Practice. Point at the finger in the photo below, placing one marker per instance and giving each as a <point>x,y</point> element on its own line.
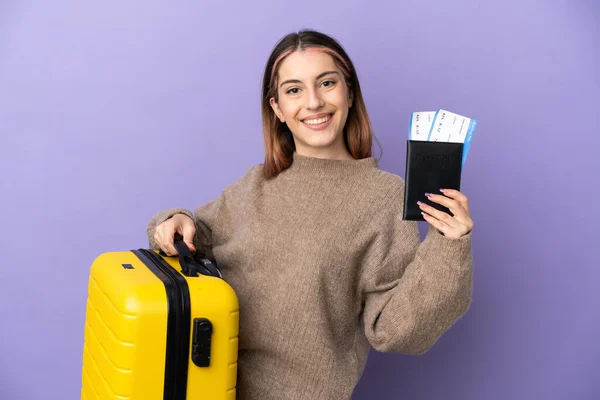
<point>445,229</point>
<point>439,215</point>
<point>157,240</point>
<point>167,235</point>
<point>441,226</point>
<point>462,213</point>
<point>188,232</point>
<point>459,223</point>
<point>458,196</point>
<point>454,206</point>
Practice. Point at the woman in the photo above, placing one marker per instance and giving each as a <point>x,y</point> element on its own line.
<point>313,240</point>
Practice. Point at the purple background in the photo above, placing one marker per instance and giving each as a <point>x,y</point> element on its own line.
<point>113,111</point>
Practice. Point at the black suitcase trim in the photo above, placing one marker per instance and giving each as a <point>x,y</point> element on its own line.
<point>178,324</point>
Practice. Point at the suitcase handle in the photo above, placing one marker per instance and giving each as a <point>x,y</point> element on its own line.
<point>191,267</point>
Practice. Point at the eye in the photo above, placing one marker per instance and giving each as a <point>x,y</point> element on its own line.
<point>328,83</point>
<point>292,91</point>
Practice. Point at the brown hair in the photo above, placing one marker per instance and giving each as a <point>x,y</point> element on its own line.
<point>279,142</point>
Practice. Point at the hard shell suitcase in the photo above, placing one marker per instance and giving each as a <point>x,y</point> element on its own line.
<point>159,327</point>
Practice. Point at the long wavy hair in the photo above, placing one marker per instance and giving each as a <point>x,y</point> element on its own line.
<point>279,142</point>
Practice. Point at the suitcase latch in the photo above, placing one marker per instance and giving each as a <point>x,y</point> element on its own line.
<point>201,338</point>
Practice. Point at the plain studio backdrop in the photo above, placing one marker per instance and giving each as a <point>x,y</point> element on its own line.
<point>112,111</point>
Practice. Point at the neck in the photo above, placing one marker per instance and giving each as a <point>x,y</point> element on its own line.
<point>310,166</point>
<point>339,153</point>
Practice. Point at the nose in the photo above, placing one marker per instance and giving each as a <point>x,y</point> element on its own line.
<point>313,100</point>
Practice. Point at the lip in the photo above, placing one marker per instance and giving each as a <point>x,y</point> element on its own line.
<point>317,116</point>
<point>318,127</point>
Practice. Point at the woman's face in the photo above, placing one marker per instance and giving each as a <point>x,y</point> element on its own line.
<point>313,101</point>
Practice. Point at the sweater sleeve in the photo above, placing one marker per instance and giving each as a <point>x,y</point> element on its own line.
<point>204,218</point>
<point>414,292</point>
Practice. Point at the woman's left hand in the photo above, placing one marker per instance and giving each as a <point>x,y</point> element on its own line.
<point>451,226</point>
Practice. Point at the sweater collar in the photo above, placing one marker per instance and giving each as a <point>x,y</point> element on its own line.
<point>332,168</point>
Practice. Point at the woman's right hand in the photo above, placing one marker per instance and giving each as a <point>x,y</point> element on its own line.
<point>165,233</point>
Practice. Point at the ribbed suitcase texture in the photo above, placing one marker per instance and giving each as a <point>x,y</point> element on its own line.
<point>127,353</point>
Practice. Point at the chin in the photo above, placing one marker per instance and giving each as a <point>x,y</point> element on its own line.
<point>320,138</point>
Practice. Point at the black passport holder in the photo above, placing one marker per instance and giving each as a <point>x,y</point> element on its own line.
<point>429,167</point>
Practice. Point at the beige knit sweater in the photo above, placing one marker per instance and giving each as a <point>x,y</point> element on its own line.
<point>324,267</point>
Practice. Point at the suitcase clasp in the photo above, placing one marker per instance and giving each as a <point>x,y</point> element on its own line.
<point>201,340</point>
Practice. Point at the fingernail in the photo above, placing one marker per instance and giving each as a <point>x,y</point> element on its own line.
<point>441,190</point>
<point>419,203</point>
<point>427,194</point>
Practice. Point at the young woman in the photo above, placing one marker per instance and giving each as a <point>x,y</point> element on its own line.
<point>313,240</point>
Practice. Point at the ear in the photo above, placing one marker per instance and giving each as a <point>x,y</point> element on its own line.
<point>350,99</point>
<point>276,109</point>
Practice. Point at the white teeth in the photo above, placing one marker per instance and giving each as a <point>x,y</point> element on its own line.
<point>317,121</point>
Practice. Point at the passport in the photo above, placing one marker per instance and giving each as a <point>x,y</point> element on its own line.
<point>429,167</point>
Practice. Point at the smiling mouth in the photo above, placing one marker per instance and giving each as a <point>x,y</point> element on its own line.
<point>317,121</point>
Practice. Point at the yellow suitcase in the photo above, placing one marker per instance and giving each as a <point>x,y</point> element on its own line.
<point>159,327</point>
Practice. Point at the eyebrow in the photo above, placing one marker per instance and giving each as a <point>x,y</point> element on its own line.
<point>318,77</point>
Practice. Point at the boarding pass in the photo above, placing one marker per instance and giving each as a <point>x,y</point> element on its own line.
<point>442,126</point>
